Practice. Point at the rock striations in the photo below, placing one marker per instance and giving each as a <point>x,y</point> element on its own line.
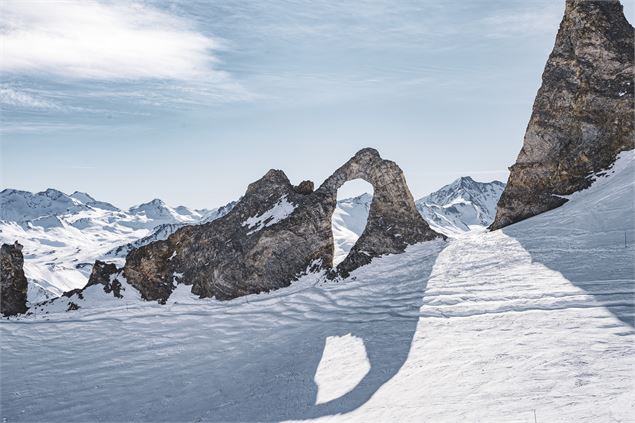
<point>278,231</point>
<point>13,283</point>
<point>582,116</point>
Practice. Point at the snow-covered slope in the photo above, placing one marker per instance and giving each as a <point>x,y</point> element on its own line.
<point>460,205</point>
<point>531,323</point>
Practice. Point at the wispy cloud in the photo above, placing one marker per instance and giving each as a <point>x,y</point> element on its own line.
<point>28,127</point>
<point>88,39</point>
<point>11,97</point>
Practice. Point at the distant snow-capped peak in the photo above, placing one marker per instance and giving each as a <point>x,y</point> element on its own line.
<point>461,204</point>
<point>463,189</point>
<point>21,206</point>
<point>82,197</point>
<point>24,206</point>
<point>157,210</point>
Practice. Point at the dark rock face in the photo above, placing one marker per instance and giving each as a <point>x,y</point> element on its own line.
<point>583,113</point>
<point>13,283</point>
<point>276,232</point>
<point>305,187</point>
<point>105,274</point>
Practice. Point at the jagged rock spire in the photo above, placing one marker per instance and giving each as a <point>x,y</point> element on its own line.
<point>583,112</point>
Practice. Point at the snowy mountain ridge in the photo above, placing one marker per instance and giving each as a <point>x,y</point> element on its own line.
<point>64,234</point>
<point>24,206</point>
<point>456,207</point>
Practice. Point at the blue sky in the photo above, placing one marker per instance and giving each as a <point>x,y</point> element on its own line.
<point>190,101</point>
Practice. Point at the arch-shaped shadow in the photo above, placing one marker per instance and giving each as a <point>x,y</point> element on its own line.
<point>380,306</point>
<point>250,361</point>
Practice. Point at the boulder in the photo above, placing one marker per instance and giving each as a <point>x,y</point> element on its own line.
<point>305,187</point>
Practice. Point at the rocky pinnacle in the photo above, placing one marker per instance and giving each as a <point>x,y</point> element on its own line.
<point>583,113</point>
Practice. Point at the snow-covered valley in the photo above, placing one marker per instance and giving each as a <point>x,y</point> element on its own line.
<point>530,323</point>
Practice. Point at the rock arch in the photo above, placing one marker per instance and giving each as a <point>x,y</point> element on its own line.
<point>278,231</point>
<point>393,220</point>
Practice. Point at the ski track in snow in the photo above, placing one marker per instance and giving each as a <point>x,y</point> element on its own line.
<point>488,327</point>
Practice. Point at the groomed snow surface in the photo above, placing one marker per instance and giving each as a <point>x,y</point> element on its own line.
<point>531,323</point>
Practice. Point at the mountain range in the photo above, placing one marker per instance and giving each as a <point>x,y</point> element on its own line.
<point>460,205</point>
<point>64,234</point>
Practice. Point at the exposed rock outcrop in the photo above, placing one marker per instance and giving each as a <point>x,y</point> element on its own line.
<point>105,274</point>
<point>305,187</point>
<point>278,231</point>
<point>13,283</point>
<point>583,113</point>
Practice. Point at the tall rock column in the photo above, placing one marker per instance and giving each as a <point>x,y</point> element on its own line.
<point>582,116</point>
<point>13,283</point>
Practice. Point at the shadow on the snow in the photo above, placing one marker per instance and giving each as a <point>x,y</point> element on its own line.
<point>273,378</point>
<point>245,361</point>
<point>601,267</point>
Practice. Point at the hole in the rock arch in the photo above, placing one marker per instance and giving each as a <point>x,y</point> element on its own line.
<point>350,216</point>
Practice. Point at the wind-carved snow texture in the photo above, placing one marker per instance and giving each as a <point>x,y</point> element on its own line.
<point>490,326</point>
<point>280,211</point>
